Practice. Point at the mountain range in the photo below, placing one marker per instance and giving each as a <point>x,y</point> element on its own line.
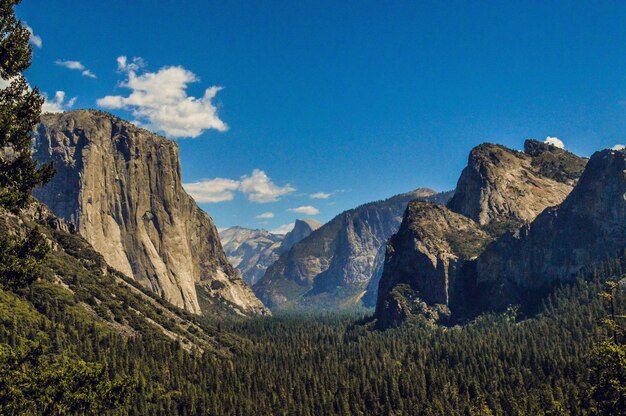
<point>518,224</point>
<point>253,251</point>
<point>332,268</point>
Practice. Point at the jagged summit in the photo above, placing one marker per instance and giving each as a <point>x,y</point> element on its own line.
<point>500,184</point>
<point>587,228</point>
<point>121,187</point>
<point>253,251</point>
<point>554,162</point>
<point>444,260</point>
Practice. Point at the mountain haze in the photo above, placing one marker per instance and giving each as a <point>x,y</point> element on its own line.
<point>253,251</point>
<point>333,266</point>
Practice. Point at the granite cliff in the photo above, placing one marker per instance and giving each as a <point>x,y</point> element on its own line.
<point>587,228</point>
<point>120,186</point>
<point>504,185</point>
<point>432,261</point>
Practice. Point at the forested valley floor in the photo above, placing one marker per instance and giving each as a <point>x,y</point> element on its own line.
<point>328,365</point>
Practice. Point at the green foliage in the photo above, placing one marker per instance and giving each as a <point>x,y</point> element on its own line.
<point>609,377</point>
<point>498,228</point>
<point>32,382</point>
<point>609,360</point>
<point>469,243</point>
<point>319,365</point>
<point>20,259</point>
<point>20,109</point>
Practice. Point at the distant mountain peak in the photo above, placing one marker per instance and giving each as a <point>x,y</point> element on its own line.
<point>253,251</point>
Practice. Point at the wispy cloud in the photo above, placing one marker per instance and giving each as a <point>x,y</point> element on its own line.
<point>159,100</point>
<point>33,39</point>
<point>306,210</point>
<point>265,215</point>
<point>283,229</point>
<point>320,195</point>
<point>135,64</point>
<point>257,187</point>
<point>75,66</point>
<point>618,147</point>
<point>58,104</point>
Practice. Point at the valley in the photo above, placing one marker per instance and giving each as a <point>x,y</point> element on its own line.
<point>352,220</point>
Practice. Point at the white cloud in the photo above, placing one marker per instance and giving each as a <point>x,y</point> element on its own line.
<point>555,141</point>
<point>33,39</point>
<point>76,66</point>
<point>212,190</point>
<point>320,195</point>
<point>58,103</point>
<point>257,187</point>
<point>265,215</point>
<point>159,100</point>
<point>307,210</point>
<point>88,73</point>
<point>283,229</point>
<point>618,147</point>
<point>124,66</point>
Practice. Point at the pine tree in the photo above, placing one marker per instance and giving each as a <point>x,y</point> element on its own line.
<point>20,110</point>
<point>609,357</point>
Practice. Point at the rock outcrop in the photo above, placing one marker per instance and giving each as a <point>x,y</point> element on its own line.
<point>253,251</point>
<point>424,261</point>
<point>121,188</point>
<point>333,266</point>
<point>508,186</point>
<point>587,228</point>
<point>432,261</point>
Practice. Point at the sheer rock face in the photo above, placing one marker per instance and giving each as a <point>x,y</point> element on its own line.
<point>301,230</point>
<point>253,251</point>
<point>332,267</point>
<point>425,260</point>
<point>587,228</point>
<point>503,184</point>
<point>121,187</point>
<point>432,260</point>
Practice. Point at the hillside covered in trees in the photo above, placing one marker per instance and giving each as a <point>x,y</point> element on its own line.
<point>79,337</point>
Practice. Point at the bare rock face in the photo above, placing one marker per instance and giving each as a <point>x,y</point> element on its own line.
<point>121,188</point>
<point>505,185</point>
<point>301,230</point>
<point>425,261</point>
<point>587,228</point>
<point>432,262</point>
<point>332,267</point>
<point>253,251</point>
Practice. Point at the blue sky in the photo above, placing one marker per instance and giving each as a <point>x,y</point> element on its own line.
<point>359,100</point>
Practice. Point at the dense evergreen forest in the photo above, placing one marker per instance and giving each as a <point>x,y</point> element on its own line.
<point>339,365</point>
<point>76,338</point>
